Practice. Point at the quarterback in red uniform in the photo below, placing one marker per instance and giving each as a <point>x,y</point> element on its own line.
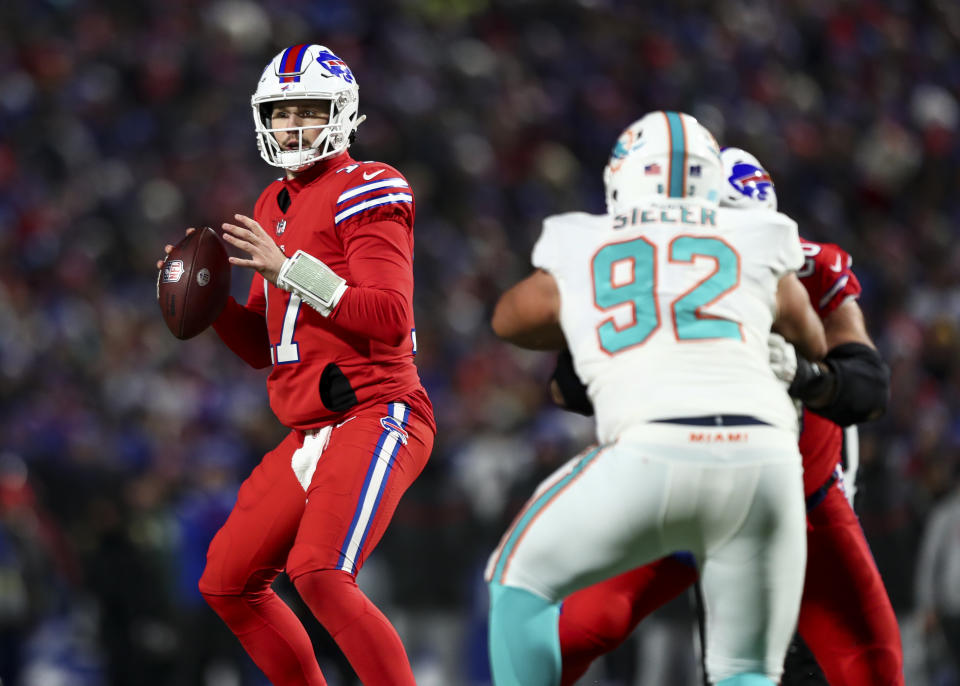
<point>331,309</point>
<point>845,616</point>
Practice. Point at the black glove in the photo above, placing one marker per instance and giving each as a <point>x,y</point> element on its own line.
<point>811,381</point>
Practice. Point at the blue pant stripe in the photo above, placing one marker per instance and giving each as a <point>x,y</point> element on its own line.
<point>404,415</point>
<point>343,563</point>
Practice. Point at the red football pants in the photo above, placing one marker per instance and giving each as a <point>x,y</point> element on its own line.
<point>317,505</point>
<point>845,616</point>
<point>597,619</point>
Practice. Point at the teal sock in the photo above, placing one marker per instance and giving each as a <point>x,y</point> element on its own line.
<point>524,643</point>
<point>752,679</point>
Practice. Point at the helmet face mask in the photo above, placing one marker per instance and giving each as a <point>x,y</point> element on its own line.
<point>663,155</point>
<point>306,72</point>
<point>747,185</point>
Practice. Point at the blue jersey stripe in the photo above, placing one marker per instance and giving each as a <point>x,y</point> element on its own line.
<point>372,186</point>
<point>372,202</point>
<point>678,156</point>
<point>535,508</point>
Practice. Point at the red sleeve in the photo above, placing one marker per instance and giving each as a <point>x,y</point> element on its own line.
<point>827,276</point>
<point>244,327</point>
<point>379,302</point>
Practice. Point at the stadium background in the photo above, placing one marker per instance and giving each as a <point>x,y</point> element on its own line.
<point>122,123</point>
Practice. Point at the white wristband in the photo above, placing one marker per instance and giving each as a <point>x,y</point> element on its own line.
<point>312,280</point>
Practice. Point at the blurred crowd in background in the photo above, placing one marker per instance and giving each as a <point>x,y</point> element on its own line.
<point>121,448</point>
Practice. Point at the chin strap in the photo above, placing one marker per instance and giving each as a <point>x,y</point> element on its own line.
<point>312,280</point>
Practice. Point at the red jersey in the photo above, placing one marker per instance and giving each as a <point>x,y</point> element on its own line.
<point>357,217</point>
<point>829,281</point>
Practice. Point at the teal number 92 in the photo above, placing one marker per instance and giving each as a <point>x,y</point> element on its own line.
<point>640,290</point>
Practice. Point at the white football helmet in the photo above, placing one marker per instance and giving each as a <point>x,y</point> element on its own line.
<point>747,185</point>
<point>665,154</point>
<point>307,72</point>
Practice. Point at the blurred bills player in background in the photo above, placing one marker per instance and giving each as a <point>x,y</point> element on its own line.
<point>845,616</point>
<point>666,304</point>
<point>331,309</point>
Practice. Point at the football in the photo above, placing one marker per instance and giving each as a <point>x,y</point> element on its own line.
<point>194,283</point>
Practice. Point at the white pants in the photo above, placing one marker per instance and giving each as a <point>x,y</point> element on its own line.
<point>733,496</point>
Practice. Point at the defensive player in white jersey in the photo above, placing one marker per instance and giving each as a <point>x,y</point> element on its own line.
<point>666,304</point>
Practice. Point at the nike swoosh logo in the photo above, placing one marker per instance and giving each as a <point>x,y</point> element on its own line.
<point>838,266</point>
<point>351,418</point>
<point>367,177</point>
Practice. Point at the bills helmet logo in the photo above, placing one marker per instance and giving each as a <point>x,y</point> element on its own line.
<point>751,181</point>
<point>335,65</point>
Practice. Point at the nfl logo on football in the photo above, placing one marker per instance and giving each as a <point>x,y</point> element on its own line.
<point>172,271</point>
<point>281,225</point>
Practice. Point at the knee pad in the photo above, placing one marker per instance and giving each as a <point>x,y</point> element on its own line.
<point>606,625</point>
<point>217,581</point>
<point>305,559</point>
<point>615,622</point>
<point>232,609</point>
<point>239,610</point>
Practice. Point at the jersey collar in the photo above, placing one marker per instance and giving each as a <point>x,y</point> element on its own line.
<point>318,169</point>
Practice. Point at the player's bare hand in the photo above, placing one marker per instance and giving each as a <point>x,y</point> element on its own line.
<point>265,255</point>
<point>168,247</point>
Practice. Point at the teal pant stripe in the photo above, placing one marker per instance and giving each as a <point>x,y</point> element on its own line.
<point>752,679</point>
<point>678,155</point>
<point>532,512</point>
<point>524,638</point>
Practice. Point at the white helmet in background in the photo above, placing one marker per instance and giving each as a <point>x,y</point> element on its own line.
<point>306,72</point>
<point>666,154</point>
<point>747,185</point>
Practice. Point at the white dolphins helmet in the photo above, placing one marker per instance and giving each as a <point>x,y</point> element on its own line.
<point>747,185</point>
<point>665,154</point>
<point>306,72</point>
